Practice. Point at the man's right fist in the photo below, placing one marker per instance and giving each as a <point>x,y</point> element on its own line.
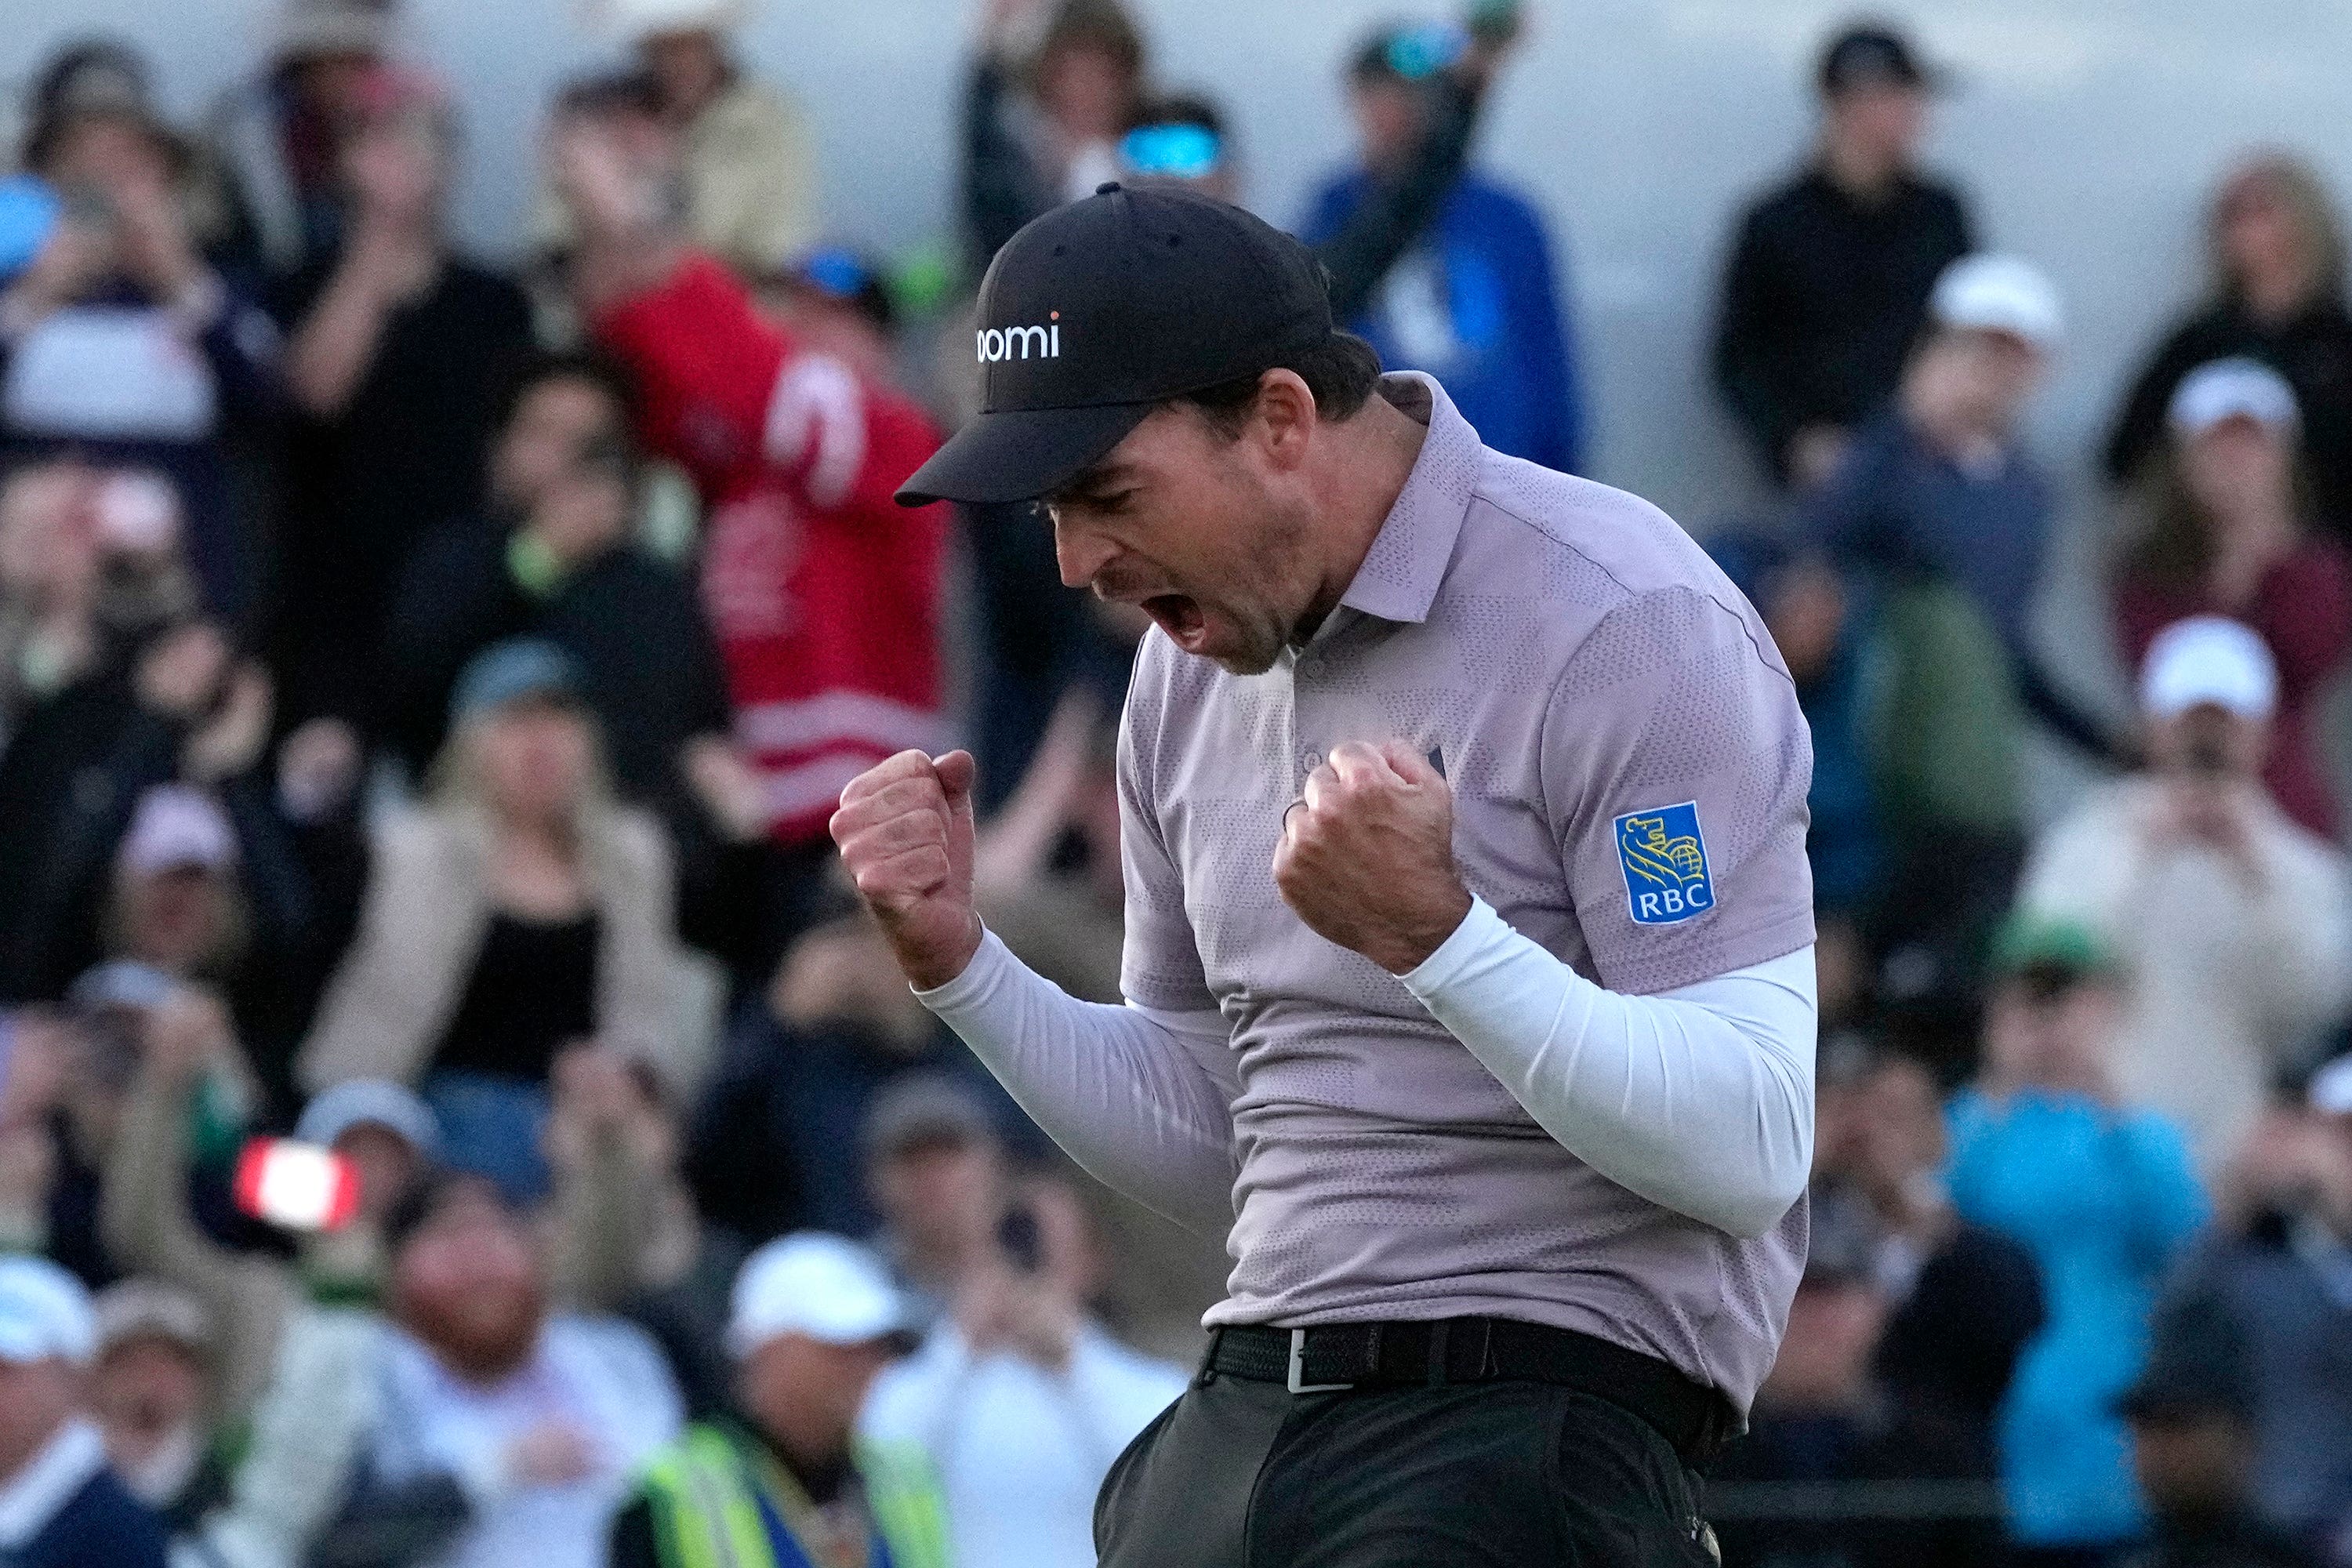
<point>905,831</point>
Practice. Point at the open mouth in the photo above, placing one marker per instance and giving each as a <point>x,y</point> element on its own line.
<point>1180,617</point>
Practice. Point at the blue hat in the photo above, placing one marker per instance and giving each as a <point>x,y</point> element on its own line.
<point>513,671</point>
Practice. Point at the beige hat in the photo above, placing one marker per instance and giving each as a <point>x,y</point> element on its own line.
<point>141,1308</point>
<point>331,28</point>
<point>632,22</point>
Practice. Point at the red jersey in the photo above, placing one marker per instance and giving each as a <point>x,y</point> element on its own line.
<point>823,592</point>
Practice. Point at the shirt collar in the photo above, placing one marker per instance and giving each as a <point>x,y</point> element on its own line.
<point>1398,580</point>
<point>49,1480</point>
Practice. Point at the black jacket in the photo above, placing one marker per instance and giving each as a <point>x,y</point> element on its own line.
<point>1823,298</point>
<point>2314,352</point>
<point>653,671</point>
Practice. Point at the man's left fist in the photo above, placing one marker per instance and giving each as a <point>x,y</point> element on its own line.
<point>1367,855</point>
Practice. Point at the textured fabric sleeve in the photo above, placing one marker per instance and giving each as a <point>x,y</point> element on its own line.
<point>1674,765</point>
<point>1700,1099</point>
<point>1134,1096</point>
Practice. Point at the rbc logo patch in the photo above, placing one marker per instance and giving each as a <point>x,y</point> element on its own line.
<point>1665,860</point>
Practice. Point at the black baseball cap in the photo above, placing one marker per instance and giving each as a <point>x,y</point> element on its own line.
<point>1872,54</point>
<point>1099,312</point>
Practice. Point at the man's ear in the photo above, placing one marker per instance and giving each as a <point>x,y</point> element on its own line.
<point>1287,416</point>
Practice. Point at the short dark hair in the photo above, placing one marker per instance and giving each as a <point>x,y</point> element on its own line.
<point>1178,108</point>
<point>1100,26</point>
<point>1342,371</point>
<point>528,371</point>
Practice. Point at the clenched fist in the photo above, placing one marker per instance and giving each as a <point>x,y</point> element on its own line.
<point>1367,855</point>
<point>905,831</point>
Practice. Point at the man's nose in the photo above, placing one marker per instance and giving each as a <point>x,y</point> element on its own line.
<point>1080,556</point>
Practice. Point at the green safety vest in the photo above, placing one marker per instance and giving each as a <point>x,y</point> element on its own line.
<point>705,1491</point>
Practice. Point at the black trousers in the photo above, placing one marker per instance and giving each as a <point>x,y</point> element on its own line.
<point>1243,1474</point>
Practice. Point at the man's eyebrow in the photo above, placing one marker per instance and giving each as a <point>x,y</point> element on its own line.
<point>1088,483</point>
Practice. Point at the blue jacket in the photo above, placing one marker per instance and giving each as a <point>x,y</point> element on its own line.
<point>2104,1199</point>
<point>1475,303</point>
<point>100,1526</point>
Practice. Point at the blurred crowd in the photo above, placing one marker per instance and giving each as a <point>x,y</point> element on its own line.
<point>451,1112</point>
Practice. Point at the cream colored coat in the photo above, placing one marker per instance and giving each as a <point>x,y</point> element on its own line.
<point>421,931</point>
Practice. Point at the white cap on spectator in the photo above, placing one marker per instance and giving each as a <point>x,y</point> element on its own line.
<point>1991,293</point>
<point>144,1308</point>
<point>634,21</point>
<point>370,1103</point>
<point>810,1283</point>
<point>2331,1088</point>
<point>2207,659</point>
<point>121,982</point>
<point>175,827</point>
<point>2233,388</point>
<point>45,1314</point>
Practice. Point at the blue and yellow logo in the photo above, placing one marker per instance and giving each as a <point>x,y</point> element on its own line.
<point>1664,859</point>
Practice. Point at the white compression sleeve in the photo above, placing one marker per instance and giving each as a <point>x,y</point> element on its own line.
<point>1699,1099</point>
<point>1142,1099</point>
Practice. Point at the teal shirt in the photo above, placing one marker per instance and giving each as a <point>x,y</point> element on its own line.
<point>2104,1199</point>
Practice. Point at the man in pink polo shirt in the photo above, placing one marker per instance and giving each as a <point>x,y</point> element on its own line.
<point>1468,958</point>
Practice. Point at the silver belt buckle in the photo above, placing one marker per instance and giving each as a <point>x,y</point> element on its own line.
<point>1298,1369</point>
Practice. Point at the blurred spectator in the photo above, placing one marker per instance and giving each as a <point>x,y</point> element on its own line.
<point>1938,486</point>
<point>250,1297</point>
<point>121,343</point>
<point>396,353</point>
<point>1824,639</point>
<point>2193,1449</point>
<point>2274,293</point>
<point>1837,1469</point>
<point>475,1428</point>
<point>1018,1397</point>
<point>1963,1299</point>
<point>151,1393</point>
<point>554,559</point>
<point>2268,1307</point>
<point>154,829</point>
<point>280,135</point>
<point>1046,868</point>
<point>748,186</point>
<point>815,1319</point>
<point>1053,84</point>
<point>518,912</point>
<point>2234,924</point>
<point>2225,531</point>
<point>836,301</point>
<point>823,594</point>
<point>90,565</point>
<point>1476,299</point>
<point>59,1505</point>
<point>1830,275</point>
<point>778,1139</point>
<point>81,1096</point>
<point>2045,1150</point>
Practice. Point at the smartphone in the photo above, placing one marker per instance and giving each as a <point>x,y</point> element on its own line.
<point>29,212</point>
<point>1170,151</point>
<point>295,1186</point>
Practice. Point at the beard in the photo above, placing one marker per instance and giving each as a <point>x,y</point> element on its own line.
<point>1282,613</point>
<point>482,1340</point>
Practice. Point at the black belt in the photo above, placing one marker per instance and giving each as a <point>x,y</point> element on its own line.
<point>1695,1419</point>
